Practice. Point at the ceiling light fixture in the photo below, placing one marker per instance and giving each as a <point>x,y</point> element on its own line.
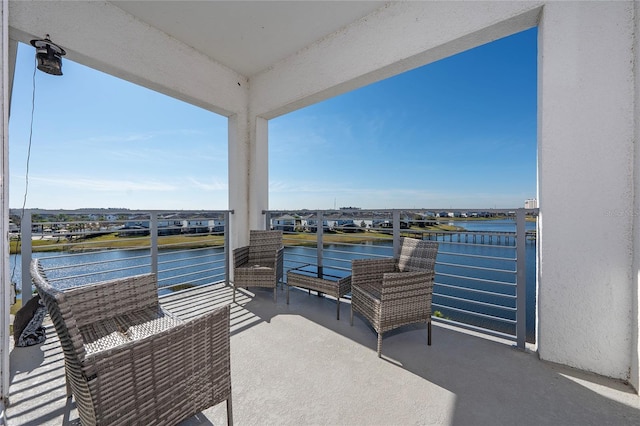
<point>49,56</point>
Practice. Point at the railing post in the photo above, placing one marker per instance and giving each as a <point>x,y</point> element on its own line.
<point>25,252</point>
<point>319,243</point>
<point>267,220</point>
<point>153,232</point>
<point>227,252</point>
<point>396,233</point>
<point>521,280</point>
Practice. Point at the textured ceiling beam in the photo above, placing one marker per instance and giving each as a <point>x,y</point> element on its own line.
<point>392,40</point>
<point>104,37</point>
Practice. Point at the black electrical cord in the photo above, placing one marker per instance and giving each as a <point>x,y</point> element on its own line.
<point>26,177</point>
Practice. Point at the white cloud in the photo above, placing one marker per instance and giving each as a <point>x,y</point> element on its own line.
<point>215,185</point>
<point>88,184</point>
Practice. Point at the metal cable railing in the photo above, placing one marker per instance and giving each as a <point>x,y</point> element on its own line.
<point>477,271</point>
<point>480,274</point>
<point>77,251</point>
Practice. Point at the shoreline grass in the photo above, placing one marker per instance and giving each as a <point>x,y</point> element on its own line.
<point>192,241</point>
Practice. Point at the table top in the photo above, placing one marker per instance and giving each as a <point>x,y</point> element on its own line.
<point>310,270</point>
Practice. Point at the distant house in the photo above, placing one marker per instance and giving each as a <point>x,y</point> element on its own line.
<point>137,224</point>
<point>195,226</point>
<point>347,225</point>
<point>312,225</point>
<point>285,223</point>
<point>216,225</point>
<point>170,225</point>
<point>134,228</point>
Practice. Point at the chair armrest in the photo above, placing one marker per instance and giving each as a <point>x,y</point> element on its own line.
<point>240,256</point>
<point>368,273</point>
<point>407,284</point>
<point>95,302</point>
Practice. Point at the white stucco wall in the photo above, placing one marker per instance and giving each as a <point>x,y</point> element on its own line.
<point>635,296</point>
<point>585,148</point>
<point>238,150</point>
<point>4,206</point>
<point>259,173</point>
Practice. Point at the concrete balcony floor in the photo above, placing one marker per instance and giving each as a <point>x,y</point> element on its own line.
<point>297,365</point>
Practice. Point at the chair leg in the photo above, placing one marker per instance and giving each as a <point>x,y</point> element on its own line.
<point>274,294</point>
<point>68,383</point>
<point>429,333</point>
<point>229,412</point>
<point>379,345</point>
<point>234,293</point>
<point>351,314</point>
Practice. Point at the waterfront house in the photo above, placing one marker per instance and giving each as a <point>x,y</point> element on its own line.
<point>254,61</point>
<point>312,225</point>
<point>285,223</point>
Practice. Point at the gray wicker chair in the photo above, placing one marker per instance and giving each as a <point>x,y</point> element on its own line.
<point>128,361</point>
<point>393,292</point>
<point>260,264</point>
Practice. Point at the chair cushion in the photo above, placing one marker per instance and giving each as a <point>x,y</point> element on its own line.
<point>112,332</point>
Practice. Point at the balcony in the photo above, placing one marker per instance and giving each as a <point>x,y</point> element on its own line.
<point>587,119</point>
<point>296,364</point>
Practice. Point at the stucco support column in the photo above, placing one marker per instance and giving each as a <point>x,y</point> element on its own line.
<point>238,180</point>
<point>586,184</point>
<point>248,175</point>
<point>259,173</point>
<point>635,335</point>
<point>4,207</point>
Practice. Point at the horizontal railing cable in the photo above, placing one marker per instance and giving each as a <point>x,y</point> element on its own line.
<point>478,256</point>
<point>477,268</point>
<point>85,264</point>
<point>483,280</point>
<point>105,272</point>
<point>475,291</point>
<point>477,314</point>
<point>477,303</point>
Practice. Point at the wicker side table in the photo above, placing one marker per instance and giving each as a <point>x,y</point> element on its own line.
<point>331,285</point>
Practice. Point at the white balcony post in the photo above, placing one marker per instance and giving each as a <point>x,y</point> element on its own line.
<point>227,249</point>
<point>635,312</point>
<point>396,233</point>
<point>238,227</point>
<point>586,125</point>
<point>4,204</point>
<point>153,234</point>
<point>26,249</point>
<point>320,242</point>
<point>248,176</point>
<point>258,173</point>
<point>521,280</point>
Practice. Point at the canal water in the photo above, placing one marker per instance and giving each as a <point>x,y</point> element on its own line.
<point>490,280</point>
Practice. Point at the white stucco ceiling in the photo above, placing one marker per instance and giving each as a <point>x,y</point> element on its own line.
<point>248,36</point>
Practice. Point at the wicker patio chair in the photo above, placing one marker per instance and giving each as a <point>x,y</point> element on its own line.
<point>393,292</point>
<point>128,361</point>
<point>260,264</point>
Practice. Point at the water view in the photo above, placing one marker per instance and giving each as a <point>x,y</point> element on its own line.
<point>475,282</point>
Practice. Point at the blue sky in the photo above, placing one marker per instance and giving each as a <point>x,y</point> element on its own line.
<point>458,133</point>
